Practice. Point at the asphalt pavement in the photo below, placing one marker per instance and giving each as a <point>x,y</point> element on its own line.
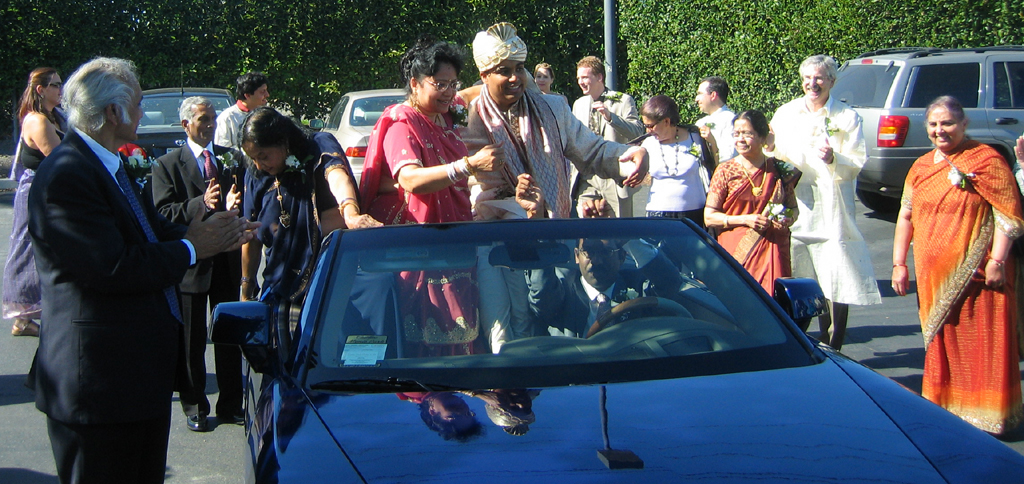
<point>886,337</point>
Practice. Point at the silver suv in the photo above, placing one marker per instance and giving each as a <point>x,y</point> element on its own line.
<point>891,88</point>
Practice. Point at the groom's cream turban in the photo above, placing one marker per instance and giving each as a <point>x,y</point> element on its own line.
<point>497,44</point>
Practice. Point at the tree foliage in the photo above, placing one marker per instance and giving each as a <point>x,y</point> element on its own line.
<point>315,50</point>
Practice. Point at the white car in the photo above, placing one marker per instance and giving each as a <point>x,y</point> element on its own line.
<point>353,118</point>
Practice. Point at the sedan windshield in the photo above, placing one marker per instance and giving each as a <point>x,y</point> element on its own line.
<point>554,302</point>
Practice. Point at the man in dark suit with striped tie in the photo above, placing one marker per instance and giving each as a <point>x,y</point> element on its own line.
<point>188,183</point>
<point>109,266</point>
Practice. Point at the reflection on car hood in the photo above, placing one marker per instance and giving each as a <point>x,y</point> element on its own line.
<point>810,424</point>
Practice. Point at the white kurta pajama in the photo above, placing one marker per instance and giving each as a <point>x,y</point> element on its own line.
<point>826,244</point>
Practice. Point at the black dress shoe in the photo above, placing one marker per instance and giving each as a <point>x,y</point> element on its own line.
<point>231,418</point>
<point>197,423</point>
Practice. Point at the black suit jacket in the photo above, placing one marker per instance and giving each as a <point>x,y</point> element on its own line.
<point>178,189</point>
<point>557,298</point>
<point>110,348</point>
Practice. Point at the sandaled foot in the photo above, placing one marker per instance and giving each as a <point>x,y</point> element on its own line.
<point>25,327</point>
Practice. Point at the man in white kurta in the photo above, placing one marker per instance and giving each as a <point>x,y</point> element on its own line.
<point>822,137</point>
<point>538,136</point>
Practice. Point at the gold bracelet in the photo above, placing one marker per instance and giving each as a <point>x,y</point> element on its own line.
<point>895,265</point>
<point>998,262</point>
<point>348,201</point>
<point>469,168</point>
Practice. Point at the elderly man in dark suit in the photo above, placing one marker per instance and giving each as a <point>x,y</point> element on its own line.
<point>108,267</point>
<point>188,183</point>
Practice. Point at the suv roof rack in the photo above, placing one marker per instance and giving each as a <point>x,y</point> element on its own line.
<point>926,51</point>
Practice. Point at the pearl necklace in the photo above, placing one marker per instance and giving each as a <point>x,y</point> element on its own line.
<point>664,157</point>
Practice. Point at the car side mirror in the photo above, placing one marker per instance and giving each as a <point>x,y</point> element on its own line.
<point>316,124</point>
<point>245,324</point>
<point>801,298</point>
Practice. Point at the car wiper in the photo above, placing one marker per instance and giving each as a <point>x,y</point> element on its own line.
<point>380,385</point>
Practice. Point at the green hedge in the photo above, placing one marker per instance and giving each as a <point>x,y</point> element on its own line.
<point>758,46</point>
<point>316,50</point>
<point>313,51</point>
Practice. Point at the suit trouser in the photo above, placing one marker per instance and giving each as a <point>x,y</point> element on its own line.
<point>128,453</point>
<point>227,358</point>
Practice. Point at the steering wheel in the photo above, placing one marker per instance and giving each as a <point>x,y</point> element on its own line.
<point>610,318</point>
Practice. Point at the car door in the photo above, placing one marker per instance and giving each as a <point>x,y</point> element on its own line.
<point>1005,97</point>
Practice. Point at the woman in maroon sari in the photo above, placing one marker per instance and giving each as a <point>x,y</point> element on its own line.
<point>416,171</point>
<point>751,203</point>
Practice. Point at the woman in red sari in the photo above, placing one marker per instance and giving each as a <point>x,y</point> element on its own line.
<point>960,208</point>
<point>752,203</point>
<point>415,172</point>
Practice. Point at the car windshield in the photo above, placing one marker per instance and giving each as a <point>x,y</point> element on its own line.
<point>366,111</point>
<point>427,303</point>
<point>162,109</point>
<point>865,85</point>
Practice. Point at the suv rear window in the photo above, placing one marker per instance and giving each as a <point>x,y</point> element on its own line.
<point>931,81</point>
<point>865,85</point>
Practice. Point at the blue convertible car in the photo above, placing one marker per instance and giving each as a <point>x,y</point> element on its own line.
<point>613,350</point>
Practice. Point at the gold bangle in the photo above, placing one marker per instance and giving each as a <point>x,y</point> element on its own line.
<point>895,265</point>
<point>470,168</point>
<point>348,201</point>
<point>998,262</point>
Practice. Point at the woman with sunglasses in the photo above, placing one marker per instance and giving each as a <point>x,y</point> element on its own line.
<point>40,134</point>
<point>752,203</point>
<point>678,157</point>
<point>417,171</point>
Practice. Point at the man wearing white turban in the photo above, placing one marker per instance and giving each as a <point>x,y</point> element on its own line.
<point>540,137</point>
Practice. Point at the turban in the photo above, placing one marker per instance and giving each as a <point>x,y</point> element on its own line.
<point>496,44</point>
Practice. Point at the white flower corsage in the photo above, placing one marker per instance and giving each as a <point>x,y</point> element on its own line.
<point>137,168</point>
<point>779,212</point>
<point>227,160</point>
<point>958,178</point>
<point>293,164</point>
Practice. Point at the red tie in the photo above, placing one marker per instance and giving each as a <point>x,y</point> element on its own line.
<point>210,167</point>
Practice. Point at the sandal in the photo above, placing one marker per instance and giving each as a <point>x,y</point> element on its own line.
<point>25,327</point>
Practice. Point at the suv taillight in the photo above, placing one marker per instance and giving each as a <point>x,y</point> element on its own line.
<point>358,152</point>
<point>892,131</point>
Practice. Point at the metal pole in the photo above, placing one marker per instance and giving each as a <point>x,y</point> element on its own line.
<point>611,34</point>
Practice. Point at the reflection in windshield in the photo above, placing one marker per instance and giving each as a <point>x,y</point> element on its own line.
<point>559,301</point>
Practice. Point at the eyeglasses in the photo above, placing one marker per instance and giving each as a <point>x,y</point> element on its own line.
<point>445,85</point>
<point>55,84</point>
<point>744,134</point>
<point>651,126</point>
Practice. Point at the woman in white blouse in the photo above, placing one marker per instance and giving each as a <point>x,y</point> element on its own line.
<point>680,163</point>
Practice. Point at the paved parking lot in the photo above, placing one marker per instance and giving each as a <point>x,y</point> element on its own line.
<point>886,338</point>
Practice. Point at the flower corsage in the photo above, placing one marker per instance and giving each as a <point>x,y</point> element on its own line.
<point>137,168</point>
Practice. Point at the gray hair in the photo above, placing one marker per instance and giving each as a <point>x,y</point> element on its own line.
<point>94,86</point>
<point>824,62</point>
<point>188,107</point>
<point>949,103</point>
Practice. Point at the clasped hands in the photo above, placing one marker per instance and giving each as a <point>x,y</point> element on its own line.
<point>220,232</point>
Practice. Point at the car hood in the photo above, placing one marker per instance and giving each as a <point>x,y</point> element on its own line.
<point>810,424</point>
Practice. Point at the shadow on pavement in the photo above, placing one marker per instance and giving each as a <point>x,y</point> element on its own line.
<point>913,382</point>
<point>887,216</point>
<point>14,392</point>
<point>902,358</point>
<point>863,334</point>
<point>25,476</point>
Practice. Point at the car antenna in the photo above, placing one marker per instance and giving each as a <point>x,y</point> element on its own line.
<point>181,78</point>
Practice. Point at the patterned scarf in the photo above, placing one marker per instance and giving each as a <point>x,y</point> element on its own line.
<point>532,142</point>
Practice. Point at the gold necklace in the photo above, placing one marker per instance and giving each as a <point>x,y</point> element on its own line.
<point>756,190</point>
<point>285,218</point>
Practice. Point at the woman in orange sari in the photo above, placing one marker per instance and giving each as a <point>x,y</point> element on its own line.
<point>751,203</point>
<point>960,206</point>
<point>416,171</point>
